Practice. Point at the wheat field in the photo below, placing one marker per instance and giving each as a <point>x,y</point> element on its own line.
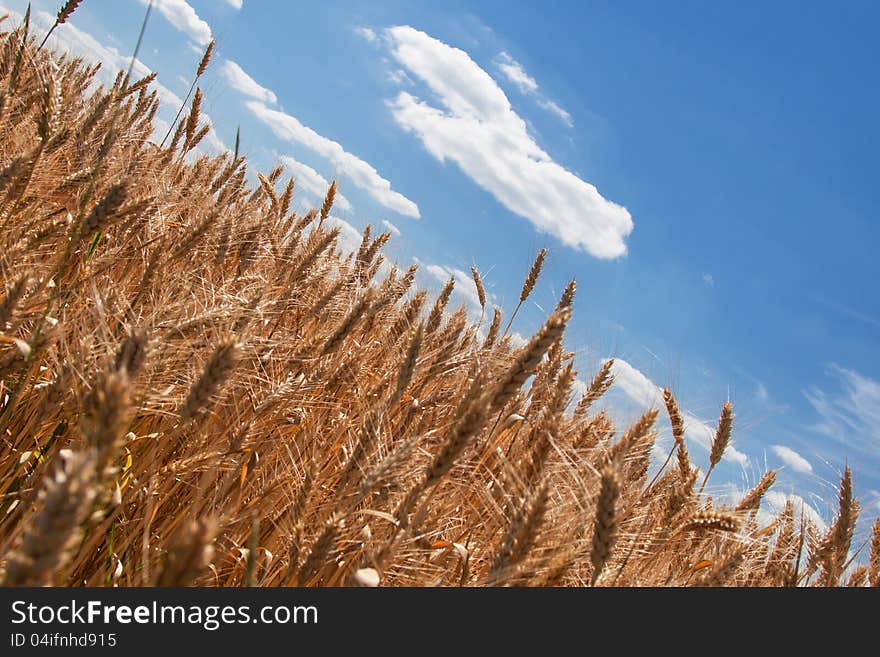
<point>199,386</point>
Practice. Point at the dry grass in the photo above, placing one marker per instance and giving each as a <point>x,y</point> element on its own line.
<point>198,387</point>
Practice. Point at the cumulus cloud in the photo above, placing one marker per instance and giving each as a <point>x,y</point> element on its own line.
<point>645,394</point>
<point>312,182</point>
<point>394,229</point>
<point>849,415</point>
<point>361,173</point>
<point>183,17</point>
<point>792,459</point>
<point>236,4</point>
<point>477,129</point>
<point>239,80</point>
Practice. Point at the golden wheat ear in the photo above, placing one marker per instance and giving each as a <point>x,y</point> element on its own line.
<point>605,525</point>
<point>225,394</point>
<point>528,285</point>
<point>66,495</point>
<point>64,13</point>
<point>720,441</point>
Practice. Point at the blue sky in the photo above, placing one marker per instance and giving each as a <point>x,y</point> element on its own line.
<point>707,172</point>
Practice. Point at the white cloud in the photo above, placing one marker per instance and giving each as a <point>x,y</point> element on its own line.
<point>236,4</point>
<point>515,72</point>
<point>775,501</point>
<point>367,33</point>
<point>792,459</point>
<point>465,287</point>
<point>243,83</point>
<point>438,272</point>
<point>183,17</point>
<point>399,76</point>
<point>579,389</point>
<point>312,182</point>
<point>851,416</point>
<point>709,280</point>
<point>350,238</point>
<point>560,112</point>
<point>853,313</point>
<point>361,173</point>
<point>638,387</point>
<point>394,229</point>
<point>477,129</point>
<point>212,141</point>
<point>701,432</point>
<point>517,340</point>
<point>646,394</point>
<point>762,393</point>
<point>875,500</point>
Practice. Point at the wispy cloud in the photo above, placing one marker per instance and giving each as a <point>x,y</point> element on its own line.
<point>709,280</point>
<point>555,108</point>
<point>875,500</point>
<point>313,183</point>
<point>183,17</point>
<point>516,73</point>
<point>394,229</point>
<point>646,394</point>
<point>792,459</point>
<point>361,173</point>
<point>366,33</point>
<point>477,129</point>
<point>851,414</point>
<point>239,80</point>
<point>852,313</point>
<point>761,392</point>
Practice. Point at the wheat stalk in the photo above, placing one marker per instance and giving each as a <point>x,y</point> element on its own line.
<point>528,285</point>
<point>720,441</point>
<point>61,17</point>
